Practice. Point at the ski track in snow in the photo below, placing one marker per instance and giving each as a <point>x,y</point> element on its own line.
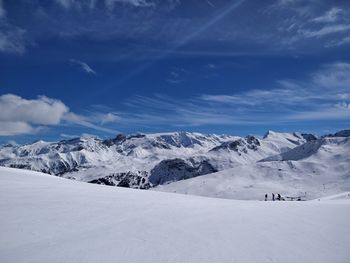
<point>50,219</point>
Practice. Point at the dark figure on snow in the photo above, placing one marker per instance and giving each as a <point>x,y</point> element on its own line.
<point>265,197</point>
<point>273,197</point>
<point>278,197</point>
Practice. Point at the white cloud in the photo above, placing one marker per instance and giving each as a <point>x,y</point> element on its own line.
<point>27,116</point>
<point>22,116</point>
<point>84,66</point>
<point>43,110</point>
<point>8,128</point>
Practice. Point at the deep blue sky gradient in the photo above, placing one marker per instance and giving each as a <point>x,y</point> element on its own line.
<point>180,50</point>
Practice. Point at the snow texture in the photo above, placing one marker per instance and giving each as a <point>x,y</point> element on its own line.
<point>50,219</point>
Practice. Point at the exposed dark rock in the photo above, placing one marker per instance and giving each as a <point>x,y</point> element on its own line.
<point>177,169</point>
<point>120,138</point>
<point>293,141</point>
<point>138,135</point>
<point>343,133</point>
<point>252,140</point>
<point>160,145</point>
<point>128,179</point>
<point>233,146</point>
<point>309,137</point>
<point>240,145</point>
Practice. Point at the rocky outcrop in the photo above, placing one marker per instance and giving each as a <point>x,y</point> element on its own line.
<point>137,180</point>
<point>240,145</point>
<point>343,133</point>
<point>178,169</point>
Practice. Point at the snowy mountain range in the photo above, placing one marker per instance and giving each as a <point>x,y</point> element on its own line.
<point>231,166</point>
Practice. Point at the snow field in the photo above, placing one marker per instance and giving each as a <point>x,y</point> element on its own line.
<point>50,219</point>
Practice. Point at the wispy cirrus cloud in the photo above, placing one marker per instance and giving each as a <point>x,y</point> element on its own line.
<point>2,10</point>
<point>86,121</point>
<point>163,27</point>
<point>84,66</point>
<point>160,110</point>
<point>337,43</point>
<point>326,30</point>
<point>323,95</point>
<point>320,25</point>
<point>138,3</point>
<point>109,4</point>
<point>68,4</point>
<point>177,75</point>
<point>331,15</point>
<point>12,38</point>
<point>334,76</point>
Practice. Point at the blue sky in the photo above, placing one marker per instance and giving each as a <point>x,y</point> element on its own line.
<point>70,68</point>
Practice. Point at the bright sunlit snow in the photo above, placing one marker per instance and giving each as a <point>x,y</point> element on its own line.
<point>50,219</point>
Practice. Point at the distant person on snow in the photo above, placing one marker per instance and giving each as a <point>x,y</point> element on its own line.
<point>265,197</point>
<point>273,197</point>
<point>278,197</point>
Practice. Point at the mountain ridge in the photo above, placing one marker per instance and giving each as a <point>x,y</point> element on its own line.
<point>147,160</point>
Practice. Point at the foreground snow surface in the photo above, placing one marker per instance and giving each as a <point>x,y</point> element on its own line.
<point>50,219</point>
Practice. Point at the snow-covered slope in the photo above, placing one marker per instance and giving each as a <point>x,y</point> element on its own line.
<point>341,196</point>
<point>286,141</point>
<point>44,218</point>
<point>328,146</point>
<point>317,168</point>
